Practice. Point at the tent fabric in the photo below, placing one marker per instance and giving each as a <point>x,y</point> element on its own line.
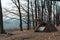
<point>48,26</point>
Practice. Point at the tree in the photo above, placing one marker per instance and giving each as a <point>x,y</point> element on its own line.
<point>32,14</point>
<point>1,20</point>
<point>42,10</point>
<point>49,6</point>
<point>17,4</point>
<point>57,19</point>
<point>36,11</point>
<point>20,15</point>
<point>28,25</point>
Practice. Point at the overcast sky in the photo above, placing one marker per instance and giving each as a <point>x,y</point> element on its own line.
<point>7,4</point>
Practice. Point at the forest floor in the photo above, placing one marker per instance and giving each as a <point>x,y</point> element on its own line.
<point>31,35</point>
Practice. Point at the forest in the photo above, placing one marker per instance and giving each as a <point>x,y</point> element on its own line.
<point>29,19</point>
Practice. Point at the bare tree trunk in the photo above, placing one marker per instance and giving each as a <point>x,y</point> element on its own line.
<point>28,25</point>
<point>36,10</point>
<point>20,16</point>
<point>1,20</point>
<point>32,14</point>
<point>42,14</point>
<point>49,6</point>
<point>39,11</point>
<point>42,11</point>
<point>57,19</point>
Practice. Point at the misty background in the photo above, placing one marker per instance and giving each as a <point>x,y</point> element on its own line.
<point>7,21</point>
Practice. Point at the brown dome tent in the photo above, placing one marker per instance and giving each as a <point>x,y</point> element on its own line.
<point>46,27</point>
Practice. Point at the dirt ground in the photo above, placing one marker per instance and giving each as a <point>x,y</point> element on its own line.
<point>31,35</point>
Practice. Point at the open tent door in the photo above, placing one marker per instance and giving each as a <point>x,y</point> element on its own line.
<point>46,28</point>
<point>41,29</point>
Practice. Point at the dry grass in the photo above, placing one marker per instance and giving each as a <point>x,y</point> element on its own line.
<point>31,35</point>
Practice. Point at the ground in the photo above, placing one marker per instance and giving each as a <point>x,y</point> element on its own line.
<point>31,35</point>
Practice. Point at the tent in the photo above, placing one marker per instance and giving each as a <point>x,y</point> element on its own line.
<point>44,27</point>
